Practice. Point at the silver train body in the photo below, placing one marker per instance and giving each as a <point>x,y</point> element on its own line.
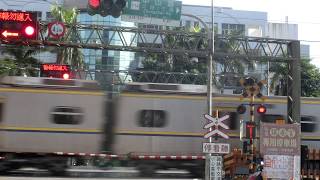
<point>56,116</point>
<point>170,120</point>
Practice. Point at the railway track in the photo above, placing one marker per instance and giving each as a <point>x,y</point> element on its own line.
<point>128,173</point>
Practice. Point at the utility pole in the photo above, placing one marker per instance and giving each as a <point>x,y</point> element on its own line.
<point>209,86</point>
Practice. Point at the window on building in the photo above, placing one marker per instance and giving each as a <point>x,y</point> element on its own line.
<point>67,115</point>
<point>152,118</point>
<point>49,17</point>
<point>234,29</point>
<point>188,24</point>
<point>216,29</point>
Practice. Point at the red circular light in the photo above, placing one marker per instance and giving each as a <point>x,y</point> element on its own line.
<point>29,30</point>
<point>261,109</point>
<point>94,3</point>
<point>66,76</point>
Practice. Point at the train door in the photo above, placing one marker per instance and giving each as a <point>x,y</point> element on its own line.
<point>1,122</point>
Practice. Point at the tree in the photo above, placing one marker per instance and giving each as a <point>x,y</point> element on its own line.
<point>310,79</point>
<point>166,63</point>
<point>72,56</point>
<point>20,60</point>
<point>228,69</point>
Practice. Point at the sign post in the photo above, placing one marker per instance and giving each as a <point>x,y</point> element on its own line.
<point>217,149</point>
<point>280,145</point>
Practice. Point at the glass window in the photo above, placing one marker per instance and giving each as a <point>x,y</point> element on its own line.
<point>308,124</point>
<point>67,115</point>
<point>235,29</point>
<point>188,24</point>
<point>271,118</point>
<point>1,111</point>
<point>152,118</point>
<point>233,121</point>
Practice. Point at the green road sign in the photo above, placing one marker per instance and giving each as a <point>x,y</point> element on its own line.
<point>161,9</point>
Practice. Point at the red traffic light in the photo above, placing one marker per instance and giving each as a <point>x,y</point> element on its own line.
<point>66,76</point>
<point>261,109</point>
<point>29,30</point>
<point>94,4</point>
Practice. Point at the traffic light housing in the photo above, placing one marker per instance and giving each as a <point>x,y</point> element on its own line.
<point>106,7</point>
<point>241,109</point>
<point>16,25</point>
<point>250,130</point>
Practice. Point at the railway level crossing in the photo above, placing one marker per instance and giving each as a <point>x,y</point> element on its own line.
<point>287,51</point>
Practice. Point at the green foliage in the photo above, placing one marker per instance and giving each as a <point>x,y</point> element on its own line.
<point>7,66</point>
<point>176,63</point>
<point>310,78</point>
<point>19,61</point>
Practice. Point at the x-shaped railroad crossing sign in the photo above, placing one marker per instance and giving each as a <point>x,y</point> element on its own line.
<point>216,122</point>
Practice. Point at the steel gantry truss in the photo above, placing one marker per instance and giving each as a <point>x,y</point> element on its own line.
<point>181,43</point>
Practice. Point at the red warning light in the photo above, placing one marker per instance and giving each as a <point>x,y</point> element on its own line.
<point>18,25</point>
<point>66,76</point>
<point>261,109</point>
<point>94,3</point>
<point>29,30</point>
<point>55,71</point>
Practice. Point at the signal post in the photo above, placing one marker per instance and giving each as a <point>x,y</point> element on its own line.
<point>252,89</point>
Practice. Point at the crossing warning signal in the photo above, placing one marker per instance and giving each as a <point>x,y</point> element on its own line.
<point>261,109</point>
<point>55,71</point>
<point>18,25</point>
<point>106,7</point>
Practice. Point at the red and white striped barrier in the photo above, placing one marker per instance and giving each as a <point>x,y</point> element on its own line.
<point>137,157</point>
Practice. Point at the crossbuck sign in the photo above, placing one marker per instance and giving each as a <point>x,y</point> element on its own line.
<point>216,122</point>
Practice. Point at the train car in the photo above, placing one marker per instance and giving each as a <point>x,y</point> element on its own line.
<point>154,121</point>
<point>40,117</point>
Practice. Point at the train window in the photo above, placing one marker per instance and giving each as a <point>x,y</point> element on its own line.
<point>1,111</point>
<point>271,118</point>
<point>308,124</point>
<point>233,121</point>
<point>152,118</point>
<point>67,115</point>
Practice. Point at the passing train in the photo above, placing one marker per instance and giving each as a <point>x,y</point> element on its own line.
<point>45,121</point>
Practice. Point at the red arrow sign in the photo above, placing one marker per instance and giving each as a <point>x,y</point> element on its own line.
<point>7,34</point>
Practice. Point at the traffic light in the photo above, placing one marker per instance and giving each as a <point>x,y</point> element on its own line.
<point>250,130</point>
<point>117,8</point>
<point>94,7</point>
<point>106,7</point>
<point>66,76</point>
<point>241,109</point>
<point>16,25</point>
<point>261,109</point>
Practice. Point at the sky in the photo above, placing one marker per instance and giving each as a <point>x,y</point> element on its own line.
<point>305,13</point>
